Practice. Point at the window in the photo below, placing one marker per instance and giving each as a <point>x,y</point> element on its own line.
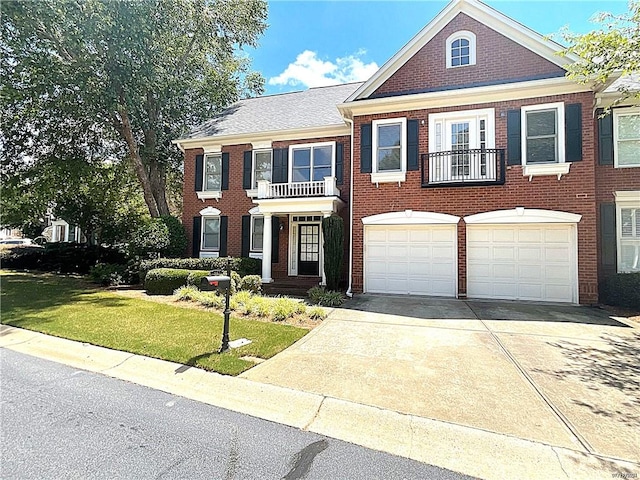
<point>312,162</point>
<point>461,49</point>
<point>628,231</point>
<point>389,145</point>
<point>257,233</point>
<point>262,163</point>
<point>213,173</point>
<point>626,131</point>
<point>543,134</point>
<point>210,233</point>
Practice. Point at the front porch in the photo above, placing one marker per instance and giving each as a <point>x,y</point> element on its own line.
<point>291,286</point>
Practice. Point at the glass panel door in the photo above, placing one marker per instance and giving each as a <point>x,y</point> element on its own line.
<point>308,249</point>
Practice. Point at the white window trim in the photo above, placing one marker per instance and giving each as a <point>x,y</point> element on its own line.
<point>252,248</point>
<point>624,199</point>
<point>210,194</point>
<point>622,112</point>
<point>302,146</point>
<point>253,167</point>
<point>202,247</point>
<point>389,175</point>
<point>488,114</point>
<point>466,35</point>
<point>559,168</point>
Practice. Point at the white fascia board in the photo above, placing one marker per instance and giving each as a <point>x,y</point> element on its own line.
<point>522,215</point>
<point>299,205</point>
<point>482,13</point>
<point>465,96</point>
<point>266,136</point>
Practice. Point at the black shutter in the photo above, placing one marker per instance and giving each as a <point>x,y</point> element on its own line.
<point>605,139</point>
<point>339,163</point>
<point>225,172</point>
<point>412,145</point>
<point>246,170</point>
<point>365,148</point>
<point>224,222</point>
<point>197,224</point>
<point>280,166</point>
<point>608,241</point>
<point>275,239</point>
<point>246,235</point>
<point>573,132</point>
<point>514,138</point>
<point>199,172</point>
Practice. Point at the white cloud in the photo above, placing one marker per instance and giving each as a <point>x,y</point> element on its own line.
<point>308,70</point>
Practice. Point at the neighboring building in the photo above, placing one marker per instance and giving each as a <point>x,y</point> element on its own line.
<point>61,231</point>
<point>467,166</point>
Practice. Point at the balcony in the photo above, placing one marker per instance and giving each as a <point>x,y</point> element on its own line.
<point>320,188</point>
<point>463,168</point>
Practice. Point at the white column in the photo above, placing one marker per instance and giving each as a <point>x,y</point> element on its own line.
<point>266,249</point>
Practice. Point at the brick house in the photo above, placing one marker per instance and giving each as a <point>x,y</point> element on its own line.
<point>467,166</point>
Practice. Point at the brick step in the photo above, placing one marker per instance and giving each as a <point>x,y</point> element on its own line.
<point>291,286</point>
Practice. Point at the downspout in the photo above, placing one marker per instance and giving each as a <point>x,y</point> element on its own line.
<point>349,292</point>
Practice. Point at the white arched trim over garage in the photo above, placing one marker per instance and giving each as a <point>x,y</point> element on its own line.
<point>210,212</point>
<point>410,217</point>
<point>523,215</point>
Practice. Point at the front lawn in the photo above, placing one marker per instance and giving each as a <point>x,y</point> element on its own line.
<point>70,307</point>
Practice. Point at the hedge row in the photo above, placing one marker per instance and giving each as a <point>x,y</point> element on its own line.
<point>61,257</point>
<point>244,266</point>
<point>622,290</point>
<point>164,281</point>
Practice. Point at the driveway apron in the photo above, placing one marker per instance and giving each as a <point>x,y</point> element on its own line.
<point>561,375</point>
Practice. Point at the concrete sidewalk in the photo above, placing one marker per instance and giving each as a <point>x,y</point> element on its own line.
<point>469,450</point>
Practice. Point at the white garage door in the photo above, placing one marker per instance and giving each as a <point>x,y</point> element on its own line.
<point>522,262</point>
<point>418,260</point>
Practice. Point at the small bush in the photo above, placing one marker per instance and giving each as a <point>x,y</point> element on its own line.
<point>211,300</point>
<point>283,308</point>
<point>251,283</point>
<point>195,277</point>
<point>317,313</point>
<point>187,294</point>
<point>163,281</point>
<point>325,298</point>
<point>622,290</point>
<point>236,279</point>
<point>108,274</point>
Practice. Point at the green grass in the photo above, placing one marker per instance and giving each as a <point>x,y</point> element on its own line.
<point>72,308</point>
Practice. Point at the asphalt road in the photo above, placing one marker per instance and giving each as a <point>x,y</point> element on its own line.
<point>59,422</point>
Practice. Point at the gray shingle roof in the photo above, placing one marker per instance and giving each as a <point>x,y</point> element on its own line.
<point>315,107</point>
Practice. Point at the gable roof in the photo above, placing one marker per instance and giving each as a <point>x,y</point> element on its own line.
<point>308,109</point>
<point>484,14</point>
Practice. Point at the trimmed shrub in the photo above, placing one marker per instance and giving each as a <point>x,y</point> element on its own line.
<point>251,283</point>
<point>108,274</point>
<point>325,298</point>
<point>622,290</point>
<point>164,281</point>
<point>244,266</point>
<point>333,233</point>
<point>195,277</point>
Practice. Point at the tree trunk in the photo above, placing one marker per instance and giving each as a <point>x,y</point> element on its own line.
<point>136,161</point>
<point>156,171</point>
<point>158,179</point>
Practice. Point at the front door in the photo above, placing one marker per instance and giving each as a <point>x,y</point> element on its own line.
<point>309,249</point>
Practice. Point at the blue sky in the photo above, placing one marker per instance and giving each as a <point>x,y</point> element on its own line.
<point>313,43</point>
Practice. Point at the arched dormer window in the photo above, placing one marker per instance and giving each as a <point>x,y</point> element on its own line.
<point>461,49</point>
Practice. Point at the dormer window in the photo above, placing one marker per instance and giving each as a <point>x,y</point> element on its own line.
<point>461,49</point>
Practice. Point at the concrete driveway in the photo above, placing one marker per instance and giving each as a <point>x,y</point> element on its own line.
<point>562,375</point>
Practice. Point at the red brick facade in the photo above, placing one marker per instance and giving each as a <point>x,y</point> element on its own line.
<point>235,203</point>
<point>497,59</point>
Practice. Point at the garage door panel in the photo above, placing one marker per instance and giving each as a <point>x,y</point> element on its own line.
<point>404,259</point>
<point>539,264</point>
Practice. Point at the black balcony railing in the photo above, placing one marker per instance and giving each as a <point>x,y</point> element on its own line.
<point>479,166</point>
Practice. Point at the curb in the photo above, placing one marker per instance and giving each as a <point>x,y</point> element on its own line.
<point>459,448</point>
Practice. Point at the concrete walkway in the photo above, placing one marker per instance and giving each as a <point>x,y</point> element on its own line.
<point>477,394</point>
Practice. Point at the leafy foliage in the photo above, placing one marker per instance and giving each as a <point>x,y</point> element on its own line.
<point>622,290</point>
<point>106,81</point>
<point>609,51</point>
<point>326,298</point>
<point>251,283</point>
<point>244,266</point>
<point>333,233</point>
<point>164,281</point>
<point>108,274</point>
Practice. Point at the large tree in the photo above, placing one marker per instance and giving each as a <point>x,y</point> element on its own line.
<point>610,51</point>
<point>107,79</point>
